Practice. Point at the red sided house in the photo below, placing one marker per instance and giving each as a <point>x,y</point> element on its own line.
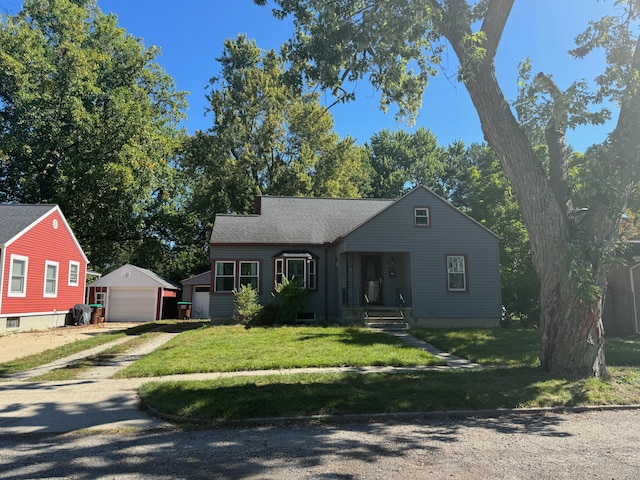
<point>42,267</point>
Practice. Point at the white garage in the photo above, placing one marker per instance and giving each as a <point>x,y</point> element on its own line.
<point>131,304</point>
<point>134,294</point>
<point>196,290</point>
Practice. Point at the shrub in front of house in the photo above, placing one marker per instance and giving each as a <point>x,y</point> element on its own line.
<point>247,307</point>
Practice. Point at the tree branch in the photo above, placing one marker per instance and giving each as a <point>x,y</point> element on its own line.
<point>555,135</point>
<point>493,25</point>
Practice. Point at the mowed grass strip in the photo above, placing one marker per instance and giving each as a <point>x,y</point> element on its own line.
<point>491,346</point>
<point>242,398</point>
<point>515,347</point>
<point>234,348</point>
<point>76,369</point>
<point>32,361</point>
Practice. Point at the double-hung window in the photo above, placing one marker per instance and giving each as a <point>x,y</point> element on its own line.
<point>74,273</point>
<point>51,279</point>
<point>225,278</point>
<point>18,275</point>
<point>299,267</point>
<point>422,217</point>
<point>250,273</point>
<point>456,273</point>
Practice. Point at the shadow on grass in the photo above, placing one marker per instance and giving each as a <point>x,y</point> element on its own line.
<point>341,394</point>
<point>350,336</point>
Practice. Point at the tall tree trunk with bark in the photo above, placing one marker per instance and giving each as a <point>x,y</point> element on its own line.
<point>571,329</point>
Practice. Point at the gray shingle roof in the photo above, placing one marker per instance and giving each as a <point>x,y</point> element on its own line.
<point>296,220</point>
<point>14,218</point>
<point>167,284</point>
<point>200,279</point>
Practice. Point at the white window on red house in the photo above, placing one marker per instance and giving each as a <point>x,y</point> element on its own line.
<point>51,279</point>
<point>74,273</point>
<point>18,275</point>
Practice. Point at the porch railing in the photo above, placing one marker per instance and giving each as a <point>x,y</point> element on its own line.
<point>355,297</point>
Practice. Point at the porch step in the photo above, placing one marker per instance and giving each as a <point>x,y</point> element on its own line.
<point>387,320</point>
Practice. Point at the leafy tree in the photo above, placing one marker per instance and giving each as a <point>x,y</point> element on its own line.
<point>484,193</point>
<point>398,44</point>
<point>267,138</point>
<point>401,161</point>
<point>87,121</point>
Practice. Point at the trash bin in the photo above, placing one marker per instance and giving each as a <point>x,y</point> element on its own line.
<point>184,310</point>
<point>96,313</point>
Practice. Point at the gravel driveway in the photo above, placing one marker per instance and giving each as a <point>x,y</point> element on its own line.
<point>600,444</point>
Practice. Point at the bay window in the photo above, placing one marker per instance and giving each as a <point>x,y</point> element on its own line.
<point>296,266</point>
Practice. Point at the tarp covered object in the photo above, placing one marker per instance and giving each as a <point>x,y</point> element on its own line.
<point>80,314</point>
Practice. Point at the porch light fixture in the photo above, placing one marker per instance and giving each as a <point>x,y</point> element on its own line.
<point>392,268</point>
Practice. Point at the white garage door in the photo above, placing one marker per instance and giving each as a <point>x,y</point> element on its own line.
<point>200,306</point>
<point>131,305</point>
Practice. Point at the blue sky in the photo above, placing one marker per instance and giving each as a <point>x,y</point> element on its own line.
<point>190,34</point>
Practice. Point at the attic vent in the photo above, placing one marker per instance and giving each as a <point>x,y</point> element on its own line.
<point>55,224</point>
<point>126,274</point>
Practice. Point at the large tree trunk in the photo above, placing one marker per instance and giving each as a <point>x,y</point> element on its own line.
<point>572,333</point>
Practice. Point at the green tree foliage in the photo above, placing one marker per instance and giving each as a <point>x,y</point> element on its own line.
<point>484,193</point>
<point>87,121</point>
<point>247,306</point>
<point>268,137</point>
<point>400,161</point>
<point>397,45</point>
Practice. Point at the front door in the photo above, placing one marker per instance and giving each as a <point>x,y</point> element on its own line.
<point>372,278</point>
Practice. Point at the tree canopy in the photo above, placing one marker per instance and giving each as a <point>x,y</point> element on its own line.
<point>398,44</point>
<point>89,121</point>
<point>267,137</point>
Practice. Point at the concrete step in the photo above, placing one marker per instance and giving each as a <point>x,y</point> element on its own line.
<point>394,324</point>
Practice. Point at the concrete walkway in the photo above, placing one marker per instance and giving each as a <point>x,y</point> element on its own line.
<point>97,402</point>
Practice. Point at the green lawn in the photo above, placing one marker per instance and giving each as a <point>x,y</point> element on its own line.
<point>228,349</point>
<point>515,347</point>
<point>242,398</point>
<point>32,361</point>
<point>518,384</point>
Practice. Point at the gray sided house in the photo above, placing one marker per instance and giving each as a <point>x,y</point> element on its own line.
<point>622,303</point>
<point>417,254</point>
<point>195,290</point>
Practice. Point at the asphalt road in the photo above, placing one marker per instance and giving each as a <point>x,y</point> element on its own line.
<point>597,444</point>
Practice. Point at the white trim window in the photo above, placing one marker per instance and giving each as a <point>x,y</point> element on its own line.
<point>297,266</point>
<point>50,279</point>
<point>225,276</point>
<point>422,217</point>
<point>456,273</point>
<point>18,276</point>
<point>250,274</point>
<point>101,298</point>
<point>74,273</point>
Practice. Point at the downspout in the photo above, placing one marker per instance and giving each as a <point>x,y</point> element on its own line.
<point>633,294</point>
<point>326,284</point>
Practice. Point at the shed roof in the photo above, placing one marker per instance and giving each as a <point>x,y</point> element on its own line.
<point>15,218</point>
<point>296,220</point>
<point>122,276</point>
<point>200,279</point>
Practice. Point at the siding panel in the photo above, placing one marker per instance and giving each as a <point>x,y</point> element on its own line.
<point>40,244</point>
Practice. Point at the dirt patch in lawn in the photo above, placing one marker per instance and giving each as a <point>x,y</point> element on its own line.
<point>21,344</point>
